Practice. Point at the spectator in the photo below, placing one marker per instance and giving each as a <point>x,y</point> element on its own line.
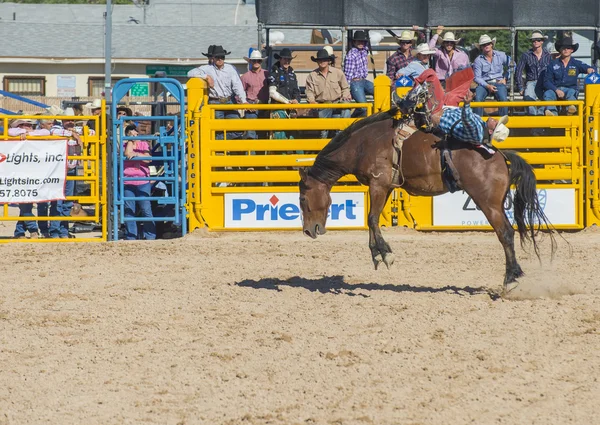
<point>533,62</point>
<point>209,54</point>
<point>401,57</point>
<point>327,85</point>
<point>138,188</point>
<point>415,68</point>
<point>560,80</point>
<point>489,74</point>
<point>329,50</point>
<point>356,71</point>
<point>283,84</point>
<point>226,84</point>
<point>449,59</point>
<point>255,84</point>
<point>95,109</point>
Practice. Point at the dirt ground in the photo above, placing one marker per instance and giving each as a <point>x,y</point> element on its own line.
<point>275,328</point>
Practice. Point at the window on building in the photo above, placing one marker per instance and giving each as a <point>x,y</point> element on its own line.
<point>96,85</point>
<point>26,86</point>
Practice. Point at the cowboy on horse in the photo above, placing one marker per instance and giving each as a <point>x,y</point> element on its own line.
<point>444,115</point>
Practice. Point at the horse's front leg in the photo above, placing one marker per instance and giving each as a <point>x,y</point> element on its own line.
<point>380,250</point>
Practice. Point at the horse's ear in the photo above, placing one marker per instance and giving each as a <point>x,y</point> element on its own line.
<point>303,173</point>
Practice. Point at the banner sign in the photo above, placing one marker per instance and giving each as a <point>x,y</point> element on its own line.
<point>282,210</point>
<point>32,171</point>
<point>458,209</point>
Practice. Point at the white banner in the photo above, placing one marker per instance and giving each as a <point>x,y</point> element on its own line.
<point>32,170</point>
<point>458,209</point>
<point>282,210</point>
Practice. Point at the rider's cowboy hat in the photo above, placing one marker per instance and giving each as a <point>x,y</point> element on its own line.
<point>19,122</point>
<point>220,51</point>
<point>501,131</point>
<point>209,53</point>
<point>422,49</point>
<point>536,35</point>
<point>405,36</point>
<point>360,36</point>
<point>567,41</point>
<point>254,56</point>
<point>485,39</point>
<point>449,36</point>
<point>96,104</point>
<point>322,54</point>
<point>285,53</point>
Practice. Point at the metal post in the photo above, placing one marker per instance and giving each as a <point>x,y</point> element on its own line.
<point>344,45</point>
<point>107,50</point>
<point>511,65</point>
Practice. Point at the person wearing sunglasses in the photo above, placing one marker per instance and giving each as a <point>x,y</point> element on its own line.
<point>560,79</point>
<point>256,86</point>
<point>490,69</point>
<point>532,63</point>
<point>402,57</point>
<point>448,59</point>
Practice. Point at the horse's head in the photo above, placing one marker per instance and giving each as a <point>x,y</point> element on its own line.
<point>315,200</point>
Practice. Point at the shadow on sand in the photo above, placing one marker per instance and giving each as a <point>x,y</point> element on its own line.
<point>336,285</point>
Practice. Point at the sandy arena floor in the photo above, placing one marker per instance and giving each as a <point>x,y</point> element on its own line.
<point>275,328</point>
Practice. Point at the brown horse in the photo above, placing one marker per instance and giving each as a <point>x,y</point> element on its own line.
<point>365,149</point>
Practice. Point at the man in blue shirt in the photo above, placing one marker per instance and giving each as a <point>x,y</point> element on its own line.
<point>560,79</point>
<point>489,74</point>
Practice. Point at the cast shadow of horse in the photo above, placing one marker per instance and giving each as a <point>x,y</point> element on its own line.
<point>337,286</point>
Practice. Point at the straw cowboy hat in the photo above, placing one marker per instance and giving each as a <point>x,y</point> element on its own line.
<point>322,54</point>
<point>536,35</point>
<point>254,56</point>
<point>501,131</point>
<point>209,54</point>
<point>422,49</point>
<point>565,42</point>
<point>95,104</point>
<point>285,53</point>
<point>405,36</point>
<point>485,39</point>
<point>449,36</point>
<point>19,122</point>
<point>55,110</point>
<point>69,112</point>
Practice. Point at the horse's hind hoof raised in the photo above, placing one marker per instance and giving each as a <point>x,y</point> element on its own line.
<point>377,260</point>
<point>388,259</point>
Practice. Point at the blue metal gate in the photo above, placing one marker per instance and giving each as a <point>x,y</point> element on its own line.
<point>168,153</point>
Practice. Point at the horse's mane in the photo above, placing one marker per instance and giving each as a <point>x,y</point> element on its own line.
<point>326,170</point>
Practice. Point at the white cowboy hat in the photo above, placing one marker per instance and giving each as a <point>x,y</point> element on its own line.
<point>20,121</point>
<point>485,39</point>
<point>449,36</point>
<point>55,110</point>
<point>423,49</point>
<point>405,36</point>
<point>501,131</point>
<point>255,55</point>
<point>537,34</point>
<point>96,104</point>
<point>70,112</point>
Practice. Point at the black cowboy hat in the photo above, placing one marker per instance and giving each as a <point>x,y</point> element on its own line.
<point>567,41</point>
<point>360,36</point>
<point>285,53</point>
<point>220,51</point>
<point>322,54</point>
<point>211,49</point>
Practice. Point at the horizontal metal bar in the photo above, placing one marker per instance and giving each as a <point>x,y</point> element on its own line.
<point>266,145</point>
<point>291,176</point>
<point>266,124</point>
<point>532,142</point>
<point>275,107</point>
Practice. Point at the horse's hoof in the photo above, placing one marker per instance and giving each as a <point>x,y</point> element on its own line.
<point>377,260</point>
<point>388,259</point>
<point>509,287</point>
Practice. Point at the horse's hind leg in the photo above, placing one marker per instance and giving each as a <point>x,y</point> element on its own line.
<point>380,250</point>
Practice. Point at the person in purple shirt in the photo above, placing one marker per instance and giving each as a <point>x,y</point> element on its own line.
<point>357,70</point>
<point>449,59</point>
<point>488,68</point>
<point>560,79</point>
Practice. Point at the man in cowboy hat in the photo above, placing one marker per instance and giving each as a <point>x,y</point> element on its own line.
<point>196,71</point>
<point>560,80</point>
<point>490,73</point>
<point>448,59</point>
<point>533,62</point>
<point>255,83</point>
<point>415,68</point>
<point>209,54</point>
<point>327,85</point>
<point>227,85</point>
<point>283,84</point>
<point>402,56</point>
<point>357,71</point>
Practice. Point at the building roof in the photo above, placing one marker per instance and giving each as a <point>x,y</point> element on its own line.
<point>174,29</point>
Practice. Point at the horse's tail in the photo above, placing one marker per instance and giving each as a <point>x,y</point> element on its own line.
<point>528,213</point>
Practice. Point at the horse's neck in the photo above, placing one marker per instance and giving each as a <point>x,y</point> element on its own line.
<point>328,170</point>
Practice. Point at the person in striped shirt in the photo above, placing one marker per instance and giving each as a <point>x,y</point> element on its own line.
<point>356,71</point>
<point>533,62</point>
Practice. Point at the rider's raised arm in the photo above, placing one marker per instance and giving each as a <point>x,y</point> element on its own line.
<point>472,124</point>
